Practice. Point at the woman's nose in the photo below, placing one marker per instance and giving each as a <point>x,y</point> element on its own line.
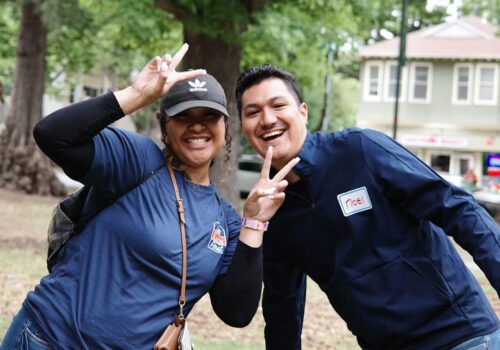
<point>197,126</point>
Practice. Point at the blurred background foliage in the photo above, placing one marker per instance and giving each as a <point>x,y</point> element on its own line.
<point>118,36</point>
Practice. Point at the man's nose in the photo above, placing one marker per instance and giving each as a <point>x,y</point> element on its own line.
<point>268,118</point>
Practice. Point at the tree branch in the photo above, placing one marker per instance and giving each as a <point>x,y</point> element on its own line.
<point>170,7</point>
<point>255,5</point>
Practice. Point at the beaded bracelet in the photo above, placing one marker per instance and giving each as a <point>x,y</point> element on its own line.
<point>254,224</point>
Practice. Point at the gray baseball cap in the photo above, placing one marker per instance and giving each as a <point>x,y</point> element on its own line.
<point>202,91</point>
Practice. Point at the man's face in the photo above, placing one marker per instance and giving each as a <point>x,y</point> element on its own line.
<point>272,116</point>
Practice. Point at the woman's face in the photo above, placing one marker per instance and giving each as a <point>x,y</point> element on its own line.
<point>195,136</point>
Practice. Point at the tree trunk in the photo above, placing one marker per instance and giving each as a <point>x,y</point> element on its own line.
<point>205,52</point>
<point>23,166</point>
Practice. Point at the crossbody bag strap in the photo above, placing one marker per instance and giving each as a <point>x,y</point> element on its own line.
<point>182,223</point>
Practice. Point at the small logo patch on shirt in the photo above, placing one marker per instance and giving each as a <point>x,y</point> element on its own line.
<point>354,201</point>
<point>218,241</point>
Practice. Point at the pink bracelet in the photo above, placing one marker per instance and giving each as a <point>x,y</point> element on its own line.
<point>254,224</point>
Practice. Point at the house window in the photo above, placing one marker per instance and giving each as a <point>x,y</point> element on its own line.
<point>486,89</point>
<point>421,77</point>
<point>462,84</point>
<point>391,74</point>
<point>440,162</point>
<point>465,163</point>
<point>72,95</point>
<point>373,81</point>
<point>90,91</point>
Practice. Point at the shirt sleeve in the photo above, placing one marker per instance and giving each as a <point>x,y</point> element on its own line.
<point>65,136</point>
<point>121,159</point>
<point>234,226</point>
<point>413,185</point>
<point>235,295</point>
<point>284,297</point>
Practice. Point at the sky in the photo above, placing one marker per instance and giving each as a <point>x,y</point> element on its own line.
<point>451,5</point>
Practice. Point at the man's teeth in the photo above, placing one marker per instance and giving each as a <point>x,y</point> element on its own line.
<point>198,140</point>
<point>272,134</point>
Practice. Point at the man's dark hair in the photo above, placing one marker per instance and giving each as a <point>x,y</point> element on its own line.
<point>255,75</point>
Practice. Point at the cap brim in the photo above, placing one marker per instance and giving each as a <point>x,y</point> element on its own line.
<point>181,107</point>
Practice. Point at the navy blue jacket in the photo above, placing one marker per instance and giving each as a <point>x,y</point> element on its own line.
<point>371,231</point>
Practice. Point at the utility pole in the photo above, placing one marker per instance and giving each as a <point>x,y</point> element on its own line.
<point>401,63</point>
<point>328,87</point>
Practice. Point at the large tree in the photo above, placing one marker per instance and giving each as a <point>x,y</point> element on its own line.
<point>70,38</point>
<point>22,165</point>
<point>212,29</point>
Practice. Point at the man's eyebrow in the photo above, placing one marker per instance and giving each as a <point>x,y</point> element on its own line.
<point>250,105</point>
<point>272,99</point>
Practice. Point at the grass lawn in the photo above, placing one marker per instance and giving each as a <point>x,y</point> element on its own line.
<point>23,224</point>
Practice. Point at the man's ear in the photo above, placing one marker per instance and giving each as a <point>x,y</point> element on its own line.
<point>303,111</point>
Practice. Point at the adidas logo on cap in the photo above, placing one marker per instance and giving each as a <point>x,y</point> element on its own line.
<point>197,85</point>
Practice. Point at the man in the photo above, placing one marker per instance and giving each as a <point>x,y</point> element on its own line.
<point>366,220</point>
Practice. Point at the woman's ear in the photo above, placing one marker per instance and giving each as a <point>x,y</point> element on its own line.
<point>164,135</point>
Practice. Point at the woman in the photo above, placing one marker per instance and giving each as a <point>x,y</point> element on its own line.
<point>116,284</point>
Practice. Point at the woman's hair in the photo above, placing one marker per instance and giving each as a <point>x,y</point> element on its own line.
<point>169,153</point>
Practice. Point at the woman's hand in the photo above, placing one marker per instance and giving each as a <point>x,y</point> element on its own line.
<point>154,81</point>
<point>267,195</point>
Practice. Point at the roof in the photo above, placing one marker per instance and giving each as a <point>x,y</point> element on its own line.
<point>467,38</point>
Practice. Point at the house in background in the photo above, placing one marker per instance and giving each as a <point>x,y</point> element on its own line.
<point>89,85</point>
<point>449,105</point>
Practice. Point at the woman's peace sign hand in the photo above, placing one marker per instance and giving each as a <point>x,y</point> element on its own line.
<point>154,81</point>
<point>267,195</point>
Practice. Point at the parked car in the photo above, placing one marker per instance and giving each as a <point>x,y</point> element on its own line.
<point>487,195</point>
<point>490,202</point>
<point>249,166</point>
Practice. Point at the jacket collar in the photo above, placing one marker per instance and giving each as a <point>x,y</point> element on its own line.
<point>308,155</point>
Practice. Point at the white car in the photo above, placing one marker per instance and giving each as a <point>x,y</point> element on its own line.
<point>249,166</point>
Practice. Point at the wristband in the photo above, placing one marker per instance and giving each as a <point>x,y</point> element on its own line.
<point>254,224</point>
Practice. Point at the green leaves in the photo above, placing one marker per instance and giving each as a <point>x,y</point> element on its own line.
<point>9,27</point>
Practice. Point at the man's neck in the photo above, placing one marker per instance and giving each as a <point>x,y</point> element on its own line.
<point>292,177</point>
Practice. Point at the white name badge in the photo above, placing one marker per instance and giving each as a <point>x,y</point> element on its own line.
<point>354,201</point>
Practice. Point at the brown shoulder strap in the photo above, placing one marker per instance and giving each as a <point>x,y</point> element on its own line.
<point>182,222</point>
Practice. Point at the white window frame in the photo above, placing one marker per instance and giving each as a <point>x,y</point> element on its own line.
<point>477,100</point>
<point>430,76</point>
<point>470,86</point>
<point>366,83</point>
<point>403,83</point>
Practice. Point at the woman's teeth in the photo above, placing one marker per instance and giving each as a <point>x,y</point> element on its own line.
<point>197,140</point>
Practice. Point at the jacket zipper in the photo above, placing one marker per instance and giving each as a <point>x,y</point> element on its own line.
<point>305,199</point>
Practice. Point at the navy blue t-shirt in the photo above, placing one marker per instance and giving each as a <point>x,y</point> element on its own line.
<point>116,285</point>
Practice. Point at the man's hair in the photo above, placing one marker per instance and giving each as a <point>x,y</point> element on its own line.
<point>255,75</point>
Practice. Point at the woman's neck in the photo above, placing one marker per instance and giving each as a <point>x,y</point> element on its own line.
<point>198,176</point>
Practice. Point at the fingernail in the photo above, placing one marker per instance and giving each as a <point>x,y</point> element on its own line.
<point>164,66</point>
<point>203,71</point>
<point>297,159</point>
<point>186,45</point>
